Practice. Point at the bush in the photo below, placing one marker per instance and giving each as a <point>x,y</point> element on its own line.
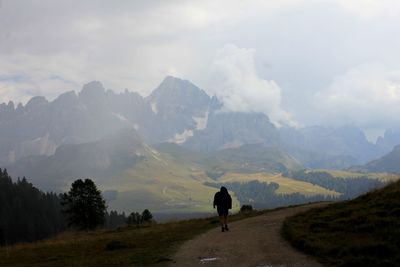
<point>246,208</point>
<point>135,218</point>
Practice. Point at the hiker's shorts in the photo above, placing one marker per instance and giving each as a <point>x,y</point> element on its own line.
<point>222,212</point>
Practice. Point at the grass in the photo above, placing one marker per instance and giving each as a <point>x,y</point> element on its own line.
<point>286,185</point>
<point>161,184</point>
<point>127,246</point>
<point>361,232</point>
<point>384,177</point>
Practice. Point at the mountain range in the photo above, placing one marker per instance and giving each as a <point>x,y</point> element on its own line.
<point>388,163</point>
<point>176,111</point>
<point>160,151</point>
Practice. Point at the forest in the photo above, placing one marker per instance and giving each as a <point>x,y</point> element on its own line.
<point>263,195</point>
<point>348,187</point>
<point>26,213</point>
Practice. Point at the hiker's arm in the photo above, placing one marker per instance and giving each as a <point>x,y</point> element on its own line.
<point>215,200</point>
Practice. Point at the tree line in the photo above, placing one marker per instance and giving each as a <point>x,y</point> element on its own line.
<point>261,195</point>
<point>28,214</point>
<point>348,187</point>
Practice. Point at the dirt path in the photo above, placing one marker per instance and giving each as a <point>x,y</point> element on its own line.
<point>251,242</point>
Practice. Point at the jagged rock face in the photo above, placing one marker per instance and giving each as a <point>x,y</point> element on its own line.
<point>390,139</point>
<point>346,141</point>
<point>95,112</point>
<point>178,106</point>
<point>227,130</point>
<point>100,159</point>
<point>177,111</point>
<point>40,126</point>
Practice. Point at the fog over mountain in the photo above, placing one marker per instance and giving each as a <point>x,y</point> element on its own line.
<point>177,111</point>
<point>158,102</point>
<point>118,116</point>
<point>300,62</point>
<point>164,151</point>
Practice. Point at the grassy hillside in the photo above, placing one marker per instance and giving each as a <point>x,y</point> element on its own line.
<point>251,159</point>
<point>286,185</point>
<point>384,177</point>
<point>244,159</point>
<point>162,185</point>
<point>128,246</point>
<point>134,175</point>
<point>361,232</point>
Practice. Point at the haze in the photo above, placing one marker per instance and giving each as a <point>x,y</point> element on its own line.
<point>300,62</point>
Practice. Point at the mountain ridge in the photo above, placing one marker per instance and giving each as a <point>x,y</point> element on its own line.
<point>176,111</point>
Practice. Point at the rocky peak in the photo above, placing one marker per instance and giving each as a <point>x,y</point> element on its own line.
<point>35,102</point>
<point>7,107</point>
<point>92,90</point>
<point>66,99</point>
<point>178,89</point>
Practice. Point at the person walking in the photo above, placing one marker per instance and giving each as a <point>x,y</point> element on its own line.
<point>223,201</point>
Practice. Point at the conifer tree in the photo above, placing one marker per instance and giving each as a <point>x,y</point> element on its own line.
<point>147,217</point>
<point>84,205</point>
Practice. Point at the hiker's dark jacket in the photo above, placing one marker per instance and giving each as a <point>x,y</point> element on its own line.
<point>223,201</point>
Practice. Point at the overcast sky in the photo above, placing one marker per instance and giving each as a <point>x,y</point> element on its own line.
<point>331,62</point>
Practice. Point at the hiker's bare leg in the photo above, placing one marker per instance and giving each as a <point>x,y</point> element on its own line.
<point>222,220</point>
<point>226,222</point>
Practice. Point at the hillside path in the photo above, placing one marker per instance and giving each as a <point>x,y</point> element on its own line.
<point>250,242</point>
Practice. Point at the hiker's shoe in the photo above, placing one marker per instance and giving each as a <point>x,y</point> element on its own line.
<point>226,228</point>
<point>222,229</point>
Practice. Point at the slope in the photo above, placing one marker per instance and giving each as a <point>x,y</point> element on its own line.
<point>132,174</point>
<point>388,163</point>
<point>361,232</point>
<point>250,158</point>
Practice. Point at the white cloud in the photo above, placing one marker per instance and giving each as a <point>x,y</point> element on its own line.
<point>371,9</point>
<point>367,95</point>
<point>301,45</point>
<point>23,76</point>
<point>237,84</point>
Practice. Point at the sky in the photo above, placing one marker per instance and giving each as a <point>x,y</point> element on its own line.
<point>301,62</point>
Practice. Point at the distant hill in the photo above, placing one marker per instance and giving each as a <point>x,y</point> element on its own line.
<point>164,178</point>
<point>361,232</point>
<point>250,158</point>
<point>388,163</point>
<point>98,159</point>
<point>133,175</point>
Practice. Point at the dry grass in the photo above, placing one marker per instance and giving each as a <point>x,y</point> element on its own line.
<point>383,177</point>
<point>286,185</point>
<point>161,186</point>
<point>361,232</point>
<point>129,246</point>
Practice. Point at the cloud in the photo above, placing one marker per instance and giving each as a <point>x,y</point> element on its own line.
<point>371,9</point>
<point>237,84</point>
<point>301,46</point>
<point>25,75</point>
<point>367,96</point>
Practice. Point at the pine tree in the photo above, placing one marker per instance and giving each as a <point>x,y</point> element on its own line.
<point>134,219</point>
<point>26,213</point>
<point>84,205</point>
<point>147,217</point>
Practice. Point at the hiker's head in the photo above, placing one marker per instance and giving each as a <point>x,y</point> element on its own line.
<point>223,190</point>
